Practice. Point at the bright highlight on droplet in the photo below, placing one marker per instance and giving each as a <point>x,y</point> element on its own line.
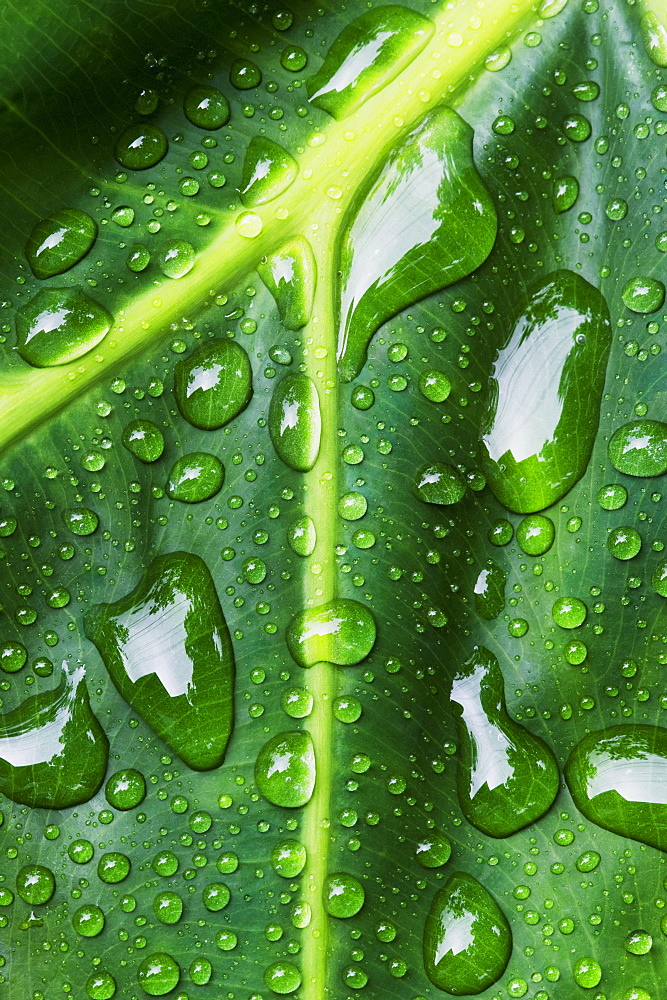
<point>248,224</point>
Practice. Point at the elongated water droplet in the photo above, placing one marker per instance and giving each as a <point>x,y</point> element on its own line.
<point>268,170</point>
<point>141,146</point>
<point>545,396</point>
<point>490,591</point>
<point>60,242</point>
<point>168,651</point>
<point>659,578</point>
<point>439,483</point>
<point>566,192</point>
<point>295,422</point>
<point>214,384</point>
<point>144,440</point>
<point>640,448</point>
<point>53,751</point>
<point>367,55</point>
<point>429,192</point>
<point>285,769</point>
<point>59,325</point>
<point>195,477</point>
<point>467,939</point>
<point>654,34</point>
<point>341,631</point>
<point>302,536</point>
<point>206,107</point>
<point>507,777</point>
<point>290,275</point>
<point>618,780</point>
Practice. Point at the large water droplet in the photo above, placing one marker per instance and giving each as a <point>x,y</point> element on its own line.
<point>566,192</point>
<point>341,631</point>
<point>429,192</point>
<point>144,440</point>
<point>618,780</point>
<point>168,651</point>
<point>282,977</point>
<point>643,295</point>
<point>59,325</point>
<point>640,448</point>
<point>288,858</point>
<point>654,34</point>
<point>158,974</point>
<point>295,422</point>
<point>35,884</point>
<point>467,939</point>
<point>290,275</point>
<point>285,769</point>
<point>507,777</point>
<point>53,751</point>
<point>367,55</point>
<point>545,394</point>
<point>268,170</point>
<point>214,384</point>
<point>60,242</point>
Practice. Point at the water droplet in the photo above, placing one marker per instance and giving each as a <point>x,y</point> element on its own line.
<point>640,448</point>
<point>587,972</point>
<point>200,971</point>
<point>254,570</point>
<point>168,907</point>
<point>59,325</point>
<point>13,656</point>
<point>88,920</point>
<point>624,542</point>
<point>654,34</point>
<point>433,850</point>
<point>195,477</point>
<point>141,146</point>
<point>295,422</point>
<point>434,385</point>
<point>168,651</point>
<point>302,536</point>
<point>444,236</point>
<point>588,861</point>
<point>490,591</point>
<point>618,777</point>
<point>144,440</point>
<point>498,59</point>
<point>53,751</point>
<point>613,496</point>
<point>544,403</point>
<point>659,578</point>
<point>113,867</point>
<point>343,895</point>
<point>59,242</point>
<point>101,985</point>
<point>293,58</point>
<point>216,896</point>
<point>501,532</point>
<point>566,192</point>
<point>290,275</point>
<point>535,534</point>
<point>214,384</point>
<point>206,107</point>
<point>575,652</point>
<point>507,777</point>
<point>643,295</point>
<point>285,769</point>
<point>577,128</point>
<point>248,224</point>
<point>362,397</point>
<point>268,171</point>
<point>158,974</point>
<point>35,884</point>
<point>288,858</point>
<point>80,851</point>
<point>138,258</point>
<point>125,789</point>
<point>282,977</point>
<point>176,259</point>
<point>367,55</point>
<point>123,216</point>
<point>439,483</point>
<point>341,631</point>
<point>352,506</point>
<point>245,75</point>
<point>467,939</point>
<point>638,942</point>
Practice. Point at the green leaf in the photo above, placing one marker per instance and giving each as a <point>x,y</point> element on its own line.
<point>333,429</point>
